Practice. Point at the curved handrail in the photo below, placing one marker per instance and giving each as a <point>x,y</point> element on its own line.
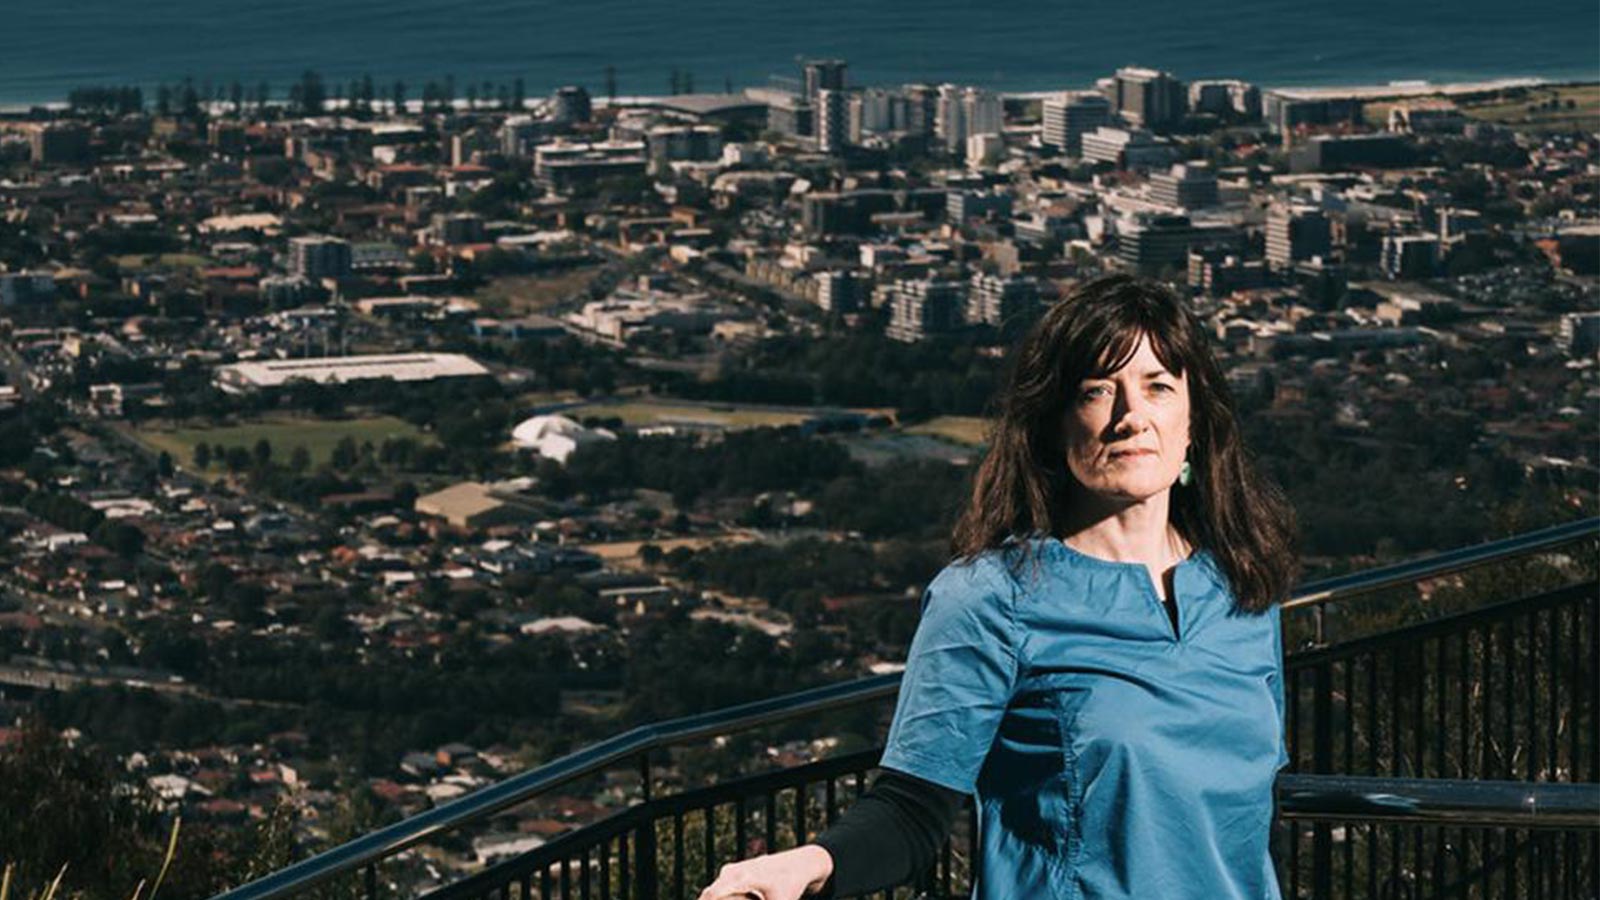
<point>370,848</point>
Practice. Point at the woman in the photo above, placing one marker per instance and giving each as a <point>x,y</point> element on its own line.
<point>1101,664</point>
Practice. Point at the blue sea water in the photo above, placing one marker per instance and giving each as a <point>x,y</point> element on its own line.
<point>52,46</point>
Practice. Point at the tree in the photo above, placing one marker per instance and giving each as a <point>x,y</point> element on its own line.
<point>651,554</point>
<point>121,538</point>
<point>262,452</point>
<point>214,581</point>
<point>246,601</point>
<point>310,93</point>
<point>202,456</point>
<point>189,100</point>
<point>164,464</point>
<point>345,453</point>
<point>70,806</point>
<point>405,495</point>
<point>399,97</point>
<point>299,459</point>
<point>238,459</point>
<point>330,624</point>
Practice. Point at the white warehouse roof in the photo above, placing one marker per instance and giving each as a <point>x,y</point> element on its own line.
<point>340,369</point>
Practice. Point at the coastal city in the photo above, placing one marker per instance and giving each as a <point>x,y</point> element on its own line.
<point>364,444</point>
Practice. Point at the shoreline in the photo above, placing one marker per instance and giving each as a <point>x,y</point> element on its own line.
<point>1398,88</point>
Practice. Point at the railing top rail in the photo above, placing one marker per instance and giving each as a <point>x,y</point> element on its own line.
<point>607,754</point>
<point>1510,804</point>
<point>1330,589</point>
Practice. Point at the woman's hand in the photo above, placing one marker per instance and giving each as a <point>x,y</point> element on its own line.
<point>777,876</point>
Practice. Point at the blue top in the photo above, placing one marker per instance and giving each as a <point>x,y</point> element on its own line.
<point>1110,756</point>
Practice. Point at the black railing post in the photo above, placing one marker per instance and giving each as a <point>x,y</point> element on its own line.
<point>644,775</point>
<point>1321,764</point>
<point>644,843</point>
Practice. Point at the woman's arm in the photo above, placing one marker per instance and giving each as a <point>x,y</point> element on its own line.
<point>888,837</point>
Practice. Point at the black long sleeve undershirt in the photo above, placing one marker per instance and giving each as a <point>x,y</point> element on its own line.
<point>889,835</point>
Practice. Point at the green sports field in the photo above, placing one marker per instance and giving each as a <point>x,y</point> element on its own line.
<point>961,429</point>
<point>318,436</point>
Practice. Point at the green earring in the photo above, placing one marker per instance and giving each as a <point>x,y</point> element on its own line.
<point>1186,474</point>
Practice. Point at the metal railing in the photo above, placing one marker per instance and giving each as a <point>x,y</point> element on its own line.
<point>670,845</point>
<point>636,747</point>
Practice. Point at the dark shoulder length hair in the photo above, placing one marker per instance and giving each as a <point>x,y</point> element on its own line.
<point>1021,487</point>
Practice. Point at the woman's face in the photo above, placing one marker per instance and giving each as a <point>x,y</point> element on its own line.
<point>1128,432</point>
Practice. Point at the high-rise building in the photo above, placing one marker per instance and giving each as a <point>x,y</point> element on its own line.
<point>1285,108</point>
<point>472,145</point>
<point>1069,117</point>
<point>1580,333</point>
<point>1186,186</point>
<point>1455,224</point>
<point>872,111</point>
<point>823,75</point>
<point>1001,302</point>
<point>1217,272</point>
<point>921,110</point>
<point>919,309</point>
<point>964,205</point>
<point>1295,234</point>
<point>668,144</point>
<point>1410,255</point>
<point>1127,148</point>
<point>520,134</point>
<point>58,143</point>
<point>837,290</point>
<point>963,112</point>
<point>985,150</point>
<point>319,256</point>
<point>1332,153</point>
<point>1225,97</point>
<point>570,105</point>
<point>1148,98</point>
<point>984,110</point>
<point>950,123</point>
<point>1149,243</point>
<point>458,228</point>
<point>1210,97</point>
<point>789,114</point>
<point>833,122</point>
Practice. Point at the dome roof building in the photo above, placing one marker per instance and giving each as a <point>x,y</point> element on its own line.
<point>556,437</point>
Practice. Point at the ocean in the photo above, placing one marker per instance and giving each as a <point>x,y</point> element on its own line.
<point>1026,45</point>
